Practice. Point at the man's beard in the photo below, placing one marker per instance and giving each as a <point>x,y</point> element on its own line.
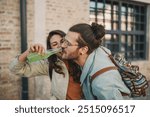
<point>74,55</point>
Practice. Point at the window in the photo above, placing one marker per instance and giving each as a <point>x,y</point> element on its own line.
<point>125,24</point>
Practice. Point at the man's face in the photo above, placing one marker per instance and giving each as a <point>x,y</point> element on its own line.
<point>70,46</point>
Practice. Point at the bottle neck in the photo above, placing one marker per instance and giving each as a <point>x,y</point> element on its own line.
<point>54,51</point>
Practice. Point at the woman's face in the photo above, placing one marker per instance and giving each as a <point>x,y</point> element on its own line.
<point>55,42</point>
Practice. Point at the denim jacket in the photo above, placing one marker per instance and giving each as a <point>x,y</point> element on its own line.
<point>107,86</point>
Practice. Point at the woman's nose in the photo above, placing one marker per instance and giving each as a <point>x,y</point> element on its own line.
<point>59,45</point>
<point>62,45</point>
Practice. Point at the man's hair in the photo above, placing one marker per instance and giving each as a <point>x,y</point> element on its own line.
<point>90,35</point>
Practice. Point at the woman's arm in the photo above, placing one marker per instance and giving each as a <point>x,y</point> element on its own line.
<point>19,66</point>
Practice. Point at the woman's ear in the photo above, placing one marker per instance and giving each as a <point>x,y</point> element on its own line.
<point>83,50</point>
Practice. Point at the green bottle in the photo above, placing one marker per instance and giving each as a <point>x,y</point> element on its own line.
<point>33,57</point>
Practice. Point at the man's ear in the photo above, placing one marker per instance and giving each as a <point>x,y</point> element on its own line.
<point>84,50</point>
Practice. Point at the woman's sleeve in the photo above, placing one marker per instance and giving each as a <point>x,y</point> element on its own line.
<point>28,69</point>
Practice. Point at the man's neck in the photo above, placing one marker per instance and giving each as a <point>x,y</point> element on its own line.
<point>81,60</point>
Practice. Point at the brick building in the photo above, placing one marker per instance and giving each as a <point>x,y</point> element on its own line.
<point>130,21</point>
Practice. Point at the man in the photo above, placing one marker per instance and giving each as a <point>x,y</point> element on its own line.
<point>82,45</point>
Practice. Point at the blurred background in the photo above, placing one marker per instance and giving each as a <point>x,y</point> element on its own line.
<point>23,22</point>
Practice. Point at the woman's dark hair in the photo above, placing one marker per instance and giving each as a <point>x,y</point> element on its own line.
<point>73,68</point>
<point>90,35</point>
<point>53,59</point>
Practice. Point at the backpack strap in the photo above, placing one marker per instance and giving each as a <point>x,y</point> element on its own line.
<point>110,56</point>
<point>101,71</point>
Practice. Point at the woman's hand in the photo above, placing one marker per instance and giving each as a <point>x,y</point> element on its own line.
<point>39,48</point>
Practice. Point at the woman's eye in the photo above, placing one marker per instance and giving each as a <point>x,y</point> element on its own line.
<point>55,44</point>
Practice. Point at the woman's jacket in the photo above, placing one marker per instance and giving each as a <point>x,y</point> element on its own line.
<point>59,83</point>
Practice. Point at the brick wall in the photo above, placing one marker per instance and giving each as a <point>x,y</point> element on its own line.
<point>59,14</point>
<point>62,14</point>
<point>9,45</point>
<point>10,85</point>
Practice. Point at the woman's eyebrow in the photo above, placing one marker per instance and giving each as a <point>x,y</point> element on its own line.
<point>54,42</point>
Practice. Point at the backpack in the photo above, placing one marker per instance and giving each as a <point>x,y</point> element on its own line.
<point>133,79</point>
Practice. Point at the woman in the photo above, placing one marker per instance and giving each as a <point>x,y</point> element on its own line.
<point>63,74</point>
